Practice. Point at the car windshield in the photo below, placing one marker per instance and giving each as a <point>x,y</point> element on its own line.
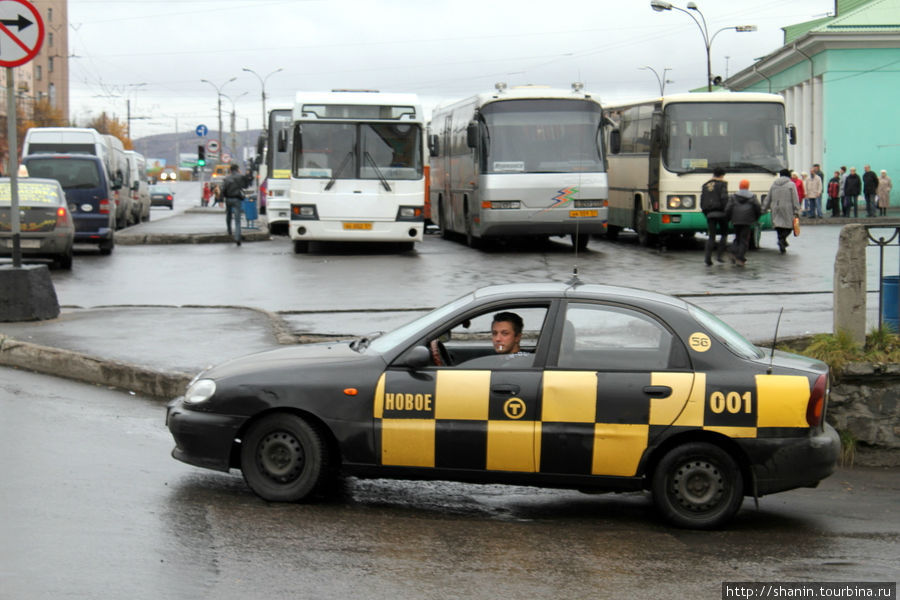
<point>725,334</point>
<point>391,339</point>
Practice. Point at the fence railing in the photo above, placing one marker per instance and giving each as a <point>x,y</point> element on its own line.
<point>894,280</point>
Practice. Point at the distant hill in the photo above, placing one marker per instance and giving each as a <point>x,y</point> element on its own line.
<point>167,145</point>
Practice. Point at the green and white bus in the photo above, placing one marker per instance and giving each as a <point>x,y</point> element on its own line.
<point>663,150</point>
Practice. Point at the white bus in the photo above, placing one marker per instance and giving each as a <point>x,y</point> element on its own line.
<point>521,161</point>
<point>275,171</point>
<point>665,149</point>
<point>357,168</point>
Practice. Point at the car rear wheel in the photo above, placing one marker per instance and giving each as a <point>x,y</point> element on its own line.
<point>64,261</point>
<point>698,486</point>
<point>106,247</point>
<point>283,458</point>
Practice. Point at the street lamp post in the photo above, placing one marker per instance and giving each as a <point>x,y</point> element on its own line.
<point>660,5</point>
<point>662,80</point>
<point>233,115</point>
<point>219,98</point>
<point>262,82</point>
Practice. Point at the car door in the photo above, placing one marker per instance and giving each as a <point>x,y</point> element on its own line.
<point>620,378</point>
<point>477,416</point>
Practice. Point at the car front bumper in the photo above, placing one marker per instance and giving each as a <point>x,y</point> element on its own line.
<point>202,439</point>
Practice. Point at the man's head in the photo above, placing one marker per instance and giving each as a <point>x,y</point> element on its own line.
<point>234,168</point>
<point>506,332</point>
<point>784,173</point>
<point>718,172</point>
<point>867,168</point>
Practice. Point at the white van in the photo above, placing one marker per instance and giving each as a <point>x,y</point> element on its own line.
<point>138,185</point>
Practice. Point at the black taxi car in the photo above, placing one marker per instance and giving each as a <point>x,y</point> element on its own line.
<point>614,389</point>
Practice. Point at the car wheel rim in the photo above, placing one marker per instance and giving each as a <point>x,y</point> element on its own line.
<point>698,486</point>
<point>280,457</point>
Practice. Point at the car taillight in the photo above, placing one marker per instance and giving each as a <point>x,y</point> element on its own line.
<point>62,217</point>
<point>816,406</point>
<point>169,197</point>
<point>104,206</point>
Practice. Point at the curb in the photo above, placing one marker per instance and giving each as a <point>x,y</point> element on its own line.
<point>89,369</point>
<point>137,239</point>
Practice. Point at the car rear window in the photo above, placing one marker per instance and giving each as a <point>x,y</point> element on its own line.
<point>31,193</point>
<point>70,173</point>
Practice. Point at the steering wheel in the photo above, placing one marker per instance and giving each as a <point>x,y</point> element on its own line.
<point>439,354</point>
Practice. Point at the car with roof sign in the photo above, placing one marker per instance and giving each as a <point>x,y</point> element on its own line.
<point>609,389</point>
<point>46,228</point>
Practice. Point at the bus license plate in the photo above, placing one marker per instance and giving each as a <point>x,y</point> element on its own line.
<point>363,226</point>
<point>582,213</point>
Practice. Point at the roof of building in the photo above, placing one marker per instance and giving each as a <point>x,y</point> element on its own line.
<point>853,16</point>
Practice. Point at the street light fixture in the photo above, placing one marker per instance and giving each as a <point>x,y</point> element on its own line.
<point>660,5</point>
<point>233,113</point>
<point>662,80</point>
<point>262,82</point>
<point>219,97</point>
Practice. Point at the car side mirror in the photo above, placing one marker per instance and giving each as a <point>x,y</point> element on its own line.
<point>434,145</point>
<point>415,358</point>
<point>472,134</point>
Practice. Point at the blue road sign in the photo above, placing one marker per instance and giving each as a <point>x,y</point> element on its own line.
<point>201,130</point>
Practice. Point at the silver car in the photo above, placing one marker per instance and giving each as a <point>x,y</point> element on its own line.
<point>45,222</point>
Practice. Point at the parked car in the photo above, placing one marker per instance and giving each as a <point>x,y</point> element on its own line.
<point>46,228</point>
<point>89,194</point>
<point>598,388</point>
<point>162,195</point>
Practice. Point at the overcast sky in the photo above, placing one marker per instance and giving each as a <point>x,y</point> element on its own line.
<point>155,53</point>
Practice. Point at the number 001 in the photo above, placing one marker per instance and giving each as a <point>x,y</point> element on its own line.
<point>732,402</point>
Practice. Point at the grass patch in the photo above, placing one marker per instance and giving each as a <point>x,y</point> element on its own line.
<point>838,349</point>
<point>848,448</point>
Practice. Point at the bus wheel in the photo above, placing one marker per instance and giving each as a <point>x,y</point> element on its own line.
<point>580,241</point>
<point>612,232</point>
<point>645,238</point>
<point>445,220</point>
<point>471,240</point>
<point>301,247</point>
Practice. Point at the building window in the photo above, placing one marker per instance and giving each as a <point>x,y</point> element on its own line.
<point>50,39</point>
<point>38,72</point>
<point>50,65</point>
<point>49,15</point>
<point>52,95</point>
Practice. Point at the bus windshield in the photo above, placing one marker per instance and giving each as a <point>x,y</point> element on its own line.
<point>740,137</point>
<point>390,151</point>
<point>541,136</point>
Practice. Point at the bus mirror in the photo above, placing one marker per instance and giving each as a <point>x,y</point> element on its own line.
<point>434,145</point>
<point>282,140</point>
<point>261,143</point>
<point>792,134</point>
<point>472,134</point>
<point>615,141</point>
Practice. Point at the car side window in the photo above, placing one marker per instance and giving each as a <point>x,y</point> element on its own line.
<point>469,344</point>
<point>612,338</point>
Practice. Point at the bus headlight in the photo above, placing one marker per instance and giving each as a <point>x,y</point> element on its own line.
<point>410,213</point>
<point>681,201</point>
<point>304,212</point>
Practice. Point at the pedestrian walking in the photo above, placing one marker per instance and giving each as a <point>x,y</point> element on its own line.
<point>713,201</point>
<point>852,189</point>
<point>801,192</point>
<point>870,187</point>
<point>216,195</point>
<point>743,211</point>
<point>233,191</point>
<point>844,204</point>
<point>834,195</point>
<point>783,202</point>
<point>813,187</point>
<point>884,193</point>
<point>205,194</point>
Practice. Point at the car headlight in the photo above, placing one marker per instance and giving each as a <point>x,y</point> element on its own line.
<point>200,391</point>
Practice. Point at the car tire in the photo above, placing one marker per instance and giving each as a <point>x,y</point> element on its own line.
<point>106,246</point>
<point>301,247</point>
<point>697,486</point>
<point>64,261</point>
<point>284,458</point>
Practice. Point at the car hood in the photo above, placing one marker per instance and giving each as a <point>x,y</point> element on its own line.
<point>289,358</point>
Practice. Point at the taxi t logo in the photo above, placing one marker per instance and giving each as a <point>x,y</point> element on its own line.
<point>514,408</point>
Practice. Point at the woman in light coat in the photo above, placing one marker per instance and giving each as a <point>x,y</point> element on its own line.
<point>783,201</point>
<point>884,193</point>
<point>813,186</point>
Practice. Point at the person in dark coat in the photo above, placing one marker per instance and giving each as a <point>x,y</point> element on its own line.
<point>852,189</point>
<point>743,211</point>
<point>870,188</point>
<point>713,200</point>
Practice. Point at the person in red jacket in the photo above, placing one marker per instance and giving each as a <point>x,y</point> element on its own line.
<point>801,192</point>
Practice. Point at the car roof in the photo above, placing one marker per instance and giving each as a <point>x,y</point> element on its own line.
<point>44,180</point>
<point>577,290</point>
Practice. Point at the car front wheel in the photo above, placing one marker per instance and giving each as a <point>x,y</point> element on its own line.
<point>283,458</point>
<point>698,486</point>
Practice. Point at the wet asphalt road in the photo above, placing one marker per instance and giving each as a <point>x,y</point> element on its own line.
<point>94,507</point>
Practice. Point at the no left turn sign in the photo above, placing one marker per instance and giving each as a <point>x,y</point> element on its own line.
<point>21,32</point>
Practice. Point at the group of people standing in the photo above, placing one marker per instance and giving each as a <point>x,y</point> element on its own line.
<point>743,209</point>
<point>843,191</point>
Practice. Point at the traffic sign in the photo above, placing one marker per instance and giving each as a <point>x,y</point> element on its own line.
<point>202,130</point>
<point>212,146</point>
<point>226,158</point>
<point>21,32</point>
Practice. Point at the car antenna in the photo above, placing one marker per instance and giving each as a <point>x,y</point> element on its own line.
<point>774,340</point>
